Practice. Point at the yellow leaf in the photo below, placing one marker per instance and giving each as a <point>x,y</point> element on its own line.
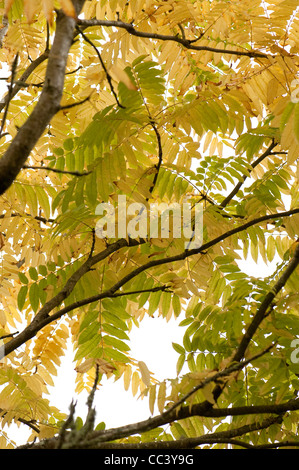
<point>208,393</point>
<point>145,373</point>
<point>161,397</point>
<point>127,377</point>
<point>48,10</point>
<point>29,9</point>
<point>7,6</point>
<point>68,8</point>
<point>135,383</point>
<point>119,75</point>
<point>2,318</point>
<point>46,432</point>
<point>152,398</point>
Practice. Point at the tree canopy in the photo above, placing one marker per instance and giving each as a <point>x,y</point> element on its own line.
<point>158,102</point>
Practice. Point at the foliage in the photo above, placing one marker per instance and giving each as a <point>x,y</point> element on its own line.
<point>161,102</point>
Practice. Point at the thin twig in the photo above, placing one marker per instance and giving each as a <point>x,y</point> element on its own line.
<point>187,43</point>
<point>77,103</point>
<point>10,90</point>
<point>33,65</point>
<point>9,335</point>
<point>69,423</point>
<point>244,177</point>
<point>218,375</point>
<point>56,170</point>
<point>108,76</point>
<point>160,156</point>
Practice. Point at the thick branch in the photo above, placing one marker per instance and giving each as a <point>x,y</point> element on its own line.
<point>93,441</point>
<point>191,443</point>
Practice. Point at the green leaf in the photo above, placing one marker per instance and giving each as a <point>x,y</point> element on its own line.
<point>22,296</point>
<point>116,355</point>
<point>178,348</point>
<point>89,332</point>
<point>115,331</point>
<point>87,348</point>
<point>34,296</point>
<point>180,363</point>
<point>42,285</point>
<point>101,426</point>
<point>68,144</point>
<point>114,320</point>
<point>33,274</point>
<point>176,305</point>
<point>22,278</point>
<point>116,343</point>
<point>43,270</point>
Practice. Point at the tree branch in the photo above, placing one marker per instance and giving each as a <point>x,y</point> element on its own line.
<point>76,103</point>
<point>36,217</point>
<point>218,375</point>
<point>160,156</point>
<point>244,177</point>
<point>188,44</point>
<point>108,76</point>
<point>94,441</point>
<point>55,170</point>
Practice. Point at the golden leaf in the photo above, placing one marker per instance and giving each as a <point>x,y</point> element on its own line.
<point>145,373</point>
<point>68,8</point>
<point>48,10</point>
<point>161,397</point>
<point>119,75</point>
<point>7,6</point>
<point>30,10</point>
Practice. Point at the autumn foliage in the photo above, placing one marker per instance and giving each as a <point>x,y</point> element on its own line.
<point>162,101</point>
